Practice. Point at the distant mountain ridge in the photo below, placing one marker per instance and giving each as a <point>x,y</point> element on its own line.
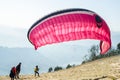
<point>10,57</point>
<point>101,69</point>
<point>30,58</point>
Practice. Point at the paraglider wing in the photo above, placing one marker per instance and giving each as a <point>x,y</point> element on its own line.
<point>68,25</point>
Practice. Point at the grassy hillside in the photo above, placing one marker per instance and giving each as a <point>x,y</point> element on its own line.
<point>102,69</point>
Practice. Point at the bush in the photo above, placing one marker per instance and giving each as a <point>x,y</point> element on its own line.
<point>118,46</point>
<point>50,69</point>
<point>68,66</point>
<point>57,68</point>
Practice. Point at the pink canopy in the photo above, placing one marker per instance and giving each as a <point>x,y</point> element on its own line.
<point>68,25</point>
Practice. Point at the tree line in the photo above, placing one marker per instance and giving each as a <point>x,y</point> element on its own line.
<point>94,55</point>
<point>57,68</point>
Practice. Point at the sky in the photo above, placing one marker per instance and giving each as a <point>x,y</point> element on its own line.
<point>17,16</point>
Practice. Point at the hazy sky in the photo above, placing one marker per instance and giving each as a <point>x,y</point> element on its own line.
<point>23,13</point>
<point>17,16</point>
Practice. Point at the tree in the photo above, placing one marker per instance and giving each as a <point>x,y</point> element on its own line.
<point>68,66</point>
<point>57,68</point>
<point>118,46</point>
<point>50,69</point>
<point>85,59</point>
<point>94,51</point>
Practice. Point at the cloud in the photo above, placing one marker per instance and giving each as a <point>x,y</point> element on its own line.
<point>13,37</point>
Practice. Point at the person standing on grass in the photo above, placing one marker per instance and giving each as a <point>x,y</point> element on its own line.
<point>36,70</point>
<point>18,69</point>
<point>12,73</point>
